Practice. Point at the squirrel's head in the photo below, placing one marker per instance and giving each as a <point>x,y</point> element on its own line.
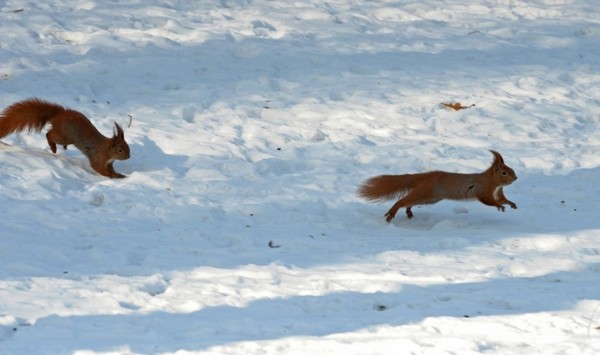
<point>503,173</point>
<point>119,148</point>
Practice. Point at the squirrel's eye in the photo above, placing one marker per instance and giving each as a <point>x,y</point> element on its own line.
<point>119,150</point>
<point>504,173</point>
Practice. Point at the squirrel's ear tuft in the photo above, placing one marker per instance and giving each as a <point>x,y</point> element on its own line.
<point>119,131</point>
<point>497,157</point>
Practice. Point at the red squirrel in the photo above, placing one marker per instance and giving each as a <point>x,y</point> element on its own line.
<point>434,186</point>
<point>68,127</point>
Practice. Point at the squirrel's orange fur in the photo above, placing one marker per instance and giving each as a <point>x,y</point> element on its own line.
<point>434,186</point>
<point>68,127</point>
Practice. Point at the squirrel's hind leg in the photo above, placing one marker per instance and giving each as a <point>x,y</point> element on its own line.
<point>54,137</point>
<point>403,202</point>
<point>51,142</point>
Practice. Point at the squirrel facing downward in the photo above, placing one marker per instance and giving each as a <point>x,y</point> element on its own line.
<point>434,186</point>
<point>68,127</point>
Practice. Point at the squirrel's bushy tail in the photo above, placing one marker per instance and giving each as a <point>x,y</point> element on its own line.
<point>32,114</point>
<point>386,187</point>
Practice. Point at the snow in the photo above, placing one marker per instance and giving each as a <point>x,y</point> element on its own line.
<point>253,122</point>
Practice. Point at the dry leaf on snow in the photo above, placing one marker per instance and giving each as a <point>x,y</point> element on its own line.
<point>456,106</point>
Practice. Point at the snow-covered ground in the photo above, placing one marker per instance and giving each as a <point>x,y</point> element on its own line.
<point>253,122</point>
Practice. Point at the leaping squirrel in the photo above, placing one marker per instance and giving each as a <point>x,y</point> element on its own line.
<point>434,186</point>
<point>68,127</point>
